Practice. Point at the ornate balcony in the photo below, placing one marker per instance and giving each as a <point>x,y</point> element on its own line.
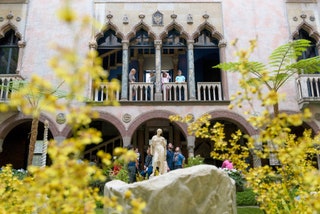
<point>142,91</point>
<point>308,86</point>
<point>6,84</point>
<point>103,93</point>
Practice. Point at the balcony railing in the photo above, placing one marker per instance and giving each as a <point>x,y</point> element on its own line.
<point>105,93</point>
<point>175,91</point>
<point>141,91</point>
<point>309,87</point>
<point>209,91</point>
<point>6,86</point>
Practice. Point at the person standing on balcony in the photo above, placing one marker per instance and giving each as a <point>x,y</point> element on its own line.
<point>165,79</point>
<point>132,79</point>
<point>180,79</point>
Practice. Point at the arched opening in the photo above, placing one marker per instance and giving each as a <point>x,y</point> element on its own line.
<point>298,132</point>
<point>16,146</point>
<point>9,52</point>
<point>142,54</point>
<point>206,55</point>
<point>110,50</point>
<point>203,147</point>
<point>311,51</point>
<point>111,139</point>
<point>174,53</point>
<point>141,138</point>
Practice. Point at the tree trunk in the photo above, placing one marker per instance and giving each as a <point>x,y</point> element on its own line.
<point>276,109</point>
<point>33,139</point>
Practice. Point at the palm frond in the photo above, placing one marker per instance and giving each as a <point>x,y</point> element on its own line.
<point>228,66</point>
<point>254,67</point>
<point>306,66</point>
<point>285,54</point>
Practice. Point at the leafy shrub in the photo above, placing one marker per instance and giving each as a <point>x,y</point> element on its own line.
<point>237,177</point>
<point>193,161</point>
<point>246,198</point>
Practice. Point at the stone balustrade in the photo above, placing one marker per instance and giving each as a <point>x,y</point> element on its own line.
<point>209,91</point>
<point>104,93</point>
<point>308,86</point>
<point>6,86</point>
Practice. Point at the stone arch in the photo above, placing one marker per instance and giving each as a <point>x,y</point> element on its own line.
<point>139,26</point>
<point>234,118</point>
<point>66,132</point>
<point>19,118</point>
<point>109,26</point>
<point>9,26</point>
<point>310,124</point>
<point>210,28</point>
<point>152,115</point>
<point>309,29</point>
<point>178,27</point>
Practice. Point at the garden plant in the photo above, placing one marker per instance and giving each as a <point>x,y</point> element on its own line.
<point>66,185</point>
<point>292,186</point>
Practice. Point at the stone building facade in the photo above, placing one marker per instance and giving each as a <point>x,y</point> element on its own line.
<point>154,37</point>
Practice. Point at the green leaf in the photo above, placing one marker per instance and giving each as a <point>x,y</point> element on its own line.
<point>285,54</point>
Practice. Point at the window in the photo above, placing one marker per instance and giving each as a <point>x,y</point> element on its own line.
<point>312,50</point>
<point>9,52</point>
<point>206,40</point>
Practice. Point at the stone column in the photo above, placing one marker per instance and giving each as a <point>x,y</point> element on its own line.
<point>190,145</point>
<point>175,62</point>
<point>59,139</point>
<point>158,94</point>
<point>126,141</point>
<point>140,72</point>
<point>125,68</point>
<point>21,45</point>
<point>222,51</point>
<point>191,78</point>
<point>256,159</point>
<point>93,45</point>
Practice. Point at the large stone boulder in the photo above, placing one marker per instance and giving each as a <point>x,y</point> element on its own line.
<point>199,189</point>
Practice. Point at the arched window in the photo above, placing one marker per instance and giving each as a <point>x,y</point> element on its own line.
<point>9,52</point>
<point>312,50</point>
<point>110,50</point>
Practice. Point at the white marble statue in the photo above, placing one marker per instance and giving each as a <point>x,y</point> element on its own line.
<point>159,153</point>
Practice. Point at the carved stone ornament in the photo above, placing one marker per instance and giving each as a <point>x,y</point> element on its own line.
<point>141,16</point>
<point>205,16</point>
<point>10,16</point>
<point>303,16</point>
<point>157,19</point>
<point>109,16</point>
<point>295,18</point>
<point>61,118</point>
<point>126,118</point>
<point>190,118</point>
<point>312,18</point>
<point>189,19</point>
<point>125,19</point>
<point>173,16</point>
